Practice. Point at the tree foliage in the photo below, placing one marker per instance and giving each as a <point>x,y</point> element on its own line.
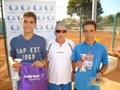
<point>86,7</point>
<point>118,18</point>
<point>110,18</point>
<point>118,15</point>
<point>69,20</point>
<point>99,19</point>
<point>105,21</point>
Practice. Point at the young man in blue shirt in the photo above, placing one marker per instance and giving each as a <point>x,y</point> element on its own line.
<point>94,54</point>
<point>28,46</point>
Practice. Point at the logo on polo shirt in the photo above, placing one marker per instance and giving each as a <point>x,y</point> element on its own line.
<point>60,52</point>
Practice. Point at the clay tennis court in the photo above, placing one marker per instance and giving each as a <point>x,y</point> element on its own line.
<point>113,82</point>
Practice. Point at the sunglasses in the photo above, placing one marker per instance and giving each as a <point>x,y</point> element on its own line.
<point>62,31</point>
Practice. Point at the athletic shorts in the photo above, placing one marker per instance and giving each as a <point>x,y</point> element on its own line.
<point>60,87</point>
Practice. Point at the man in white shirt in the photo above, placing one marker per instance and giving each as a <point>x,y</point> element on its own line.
<point>59,60</point>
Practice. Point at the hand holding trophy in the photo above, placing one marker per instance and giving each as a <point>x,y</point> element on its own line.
<point>17,77</point>
<point>82,69</point>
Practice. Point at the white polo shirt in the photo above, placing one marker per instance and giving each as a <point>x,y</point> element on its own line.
<point>59,58</point>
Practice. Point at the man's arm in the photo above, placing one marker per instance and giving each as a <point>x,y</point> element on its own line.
<point>40,63</point>
<point>73,66</point>
<point>45,63</point>
<point>73,70</point>
<point>11,60</point>
<point>102,70</point>
<point>15,65</point>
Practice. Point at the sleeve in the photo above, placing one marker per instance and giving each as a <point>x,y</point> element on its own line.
<point>105,56</point>
<point>48,49</point>
<point>12,50</point>
<point>74,54</point>
<point>44,52</point>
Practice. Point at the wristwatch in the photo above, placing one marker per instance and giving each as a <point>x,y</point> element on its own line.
<point>74,72</point>
<point>100,72</point>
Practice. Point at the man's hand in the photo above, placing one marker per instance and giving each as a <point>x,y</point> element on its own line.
<point>16,66</point>
<point>79,64</point>
<point>99,75</point>
<point>73,77</point>
<point>38,63</point>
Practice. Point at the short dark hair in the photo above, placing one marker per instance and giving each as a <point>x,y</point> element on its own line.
<point>29,14</point>
<point>88,22</point>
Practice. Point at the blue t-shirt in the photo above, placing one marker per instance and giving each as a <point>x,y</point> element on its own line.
<point>83,79</point>
<point>28,50</point>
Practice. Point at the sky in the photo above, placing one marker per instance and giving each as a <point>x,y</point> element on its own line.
<point>109,7</point>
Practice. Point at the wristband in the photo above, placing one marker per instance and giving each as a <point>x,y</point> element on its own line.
<point>100,72</point>
<point>74,72</point>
